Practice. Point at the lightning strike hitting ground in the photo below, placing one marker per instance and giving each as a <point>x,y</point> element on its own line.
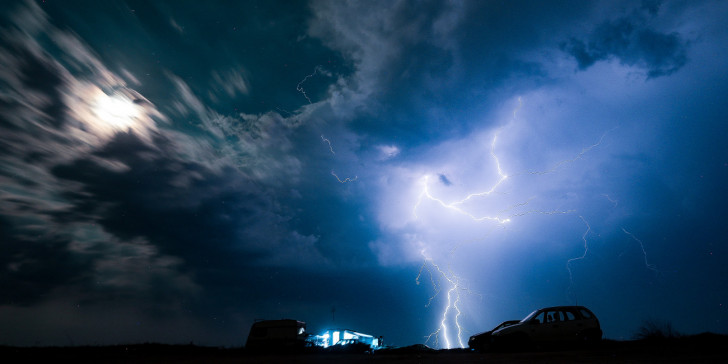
<point>452,279</point>
<point>453,300</point>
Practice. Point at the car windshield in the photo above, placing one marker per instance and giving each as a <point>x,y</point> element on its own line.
<point>503,324</point>
<point>530,316</point>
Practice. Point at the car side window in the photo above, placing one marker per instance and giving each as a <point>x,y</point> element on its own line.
<point>569,315</point>
<point>555,316</point>
<point>552,316</point>
<point>586,314</point>
<point>540,318</point>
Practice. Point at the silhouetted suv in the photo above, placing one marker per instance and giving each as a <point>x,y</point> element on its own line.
<point>551,325</point>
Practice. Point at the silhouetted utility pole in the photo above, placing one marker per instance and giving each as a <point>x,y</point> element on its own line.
<point>333,311</point>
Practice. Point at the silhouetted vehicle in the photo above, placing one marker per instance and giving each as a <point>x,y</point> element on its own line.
<point>284,335</point>
<point>552,325</point>
<point>481,342</point>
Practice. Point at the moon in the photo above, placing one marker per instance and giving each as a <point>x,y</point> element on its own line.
<point>117,111</point>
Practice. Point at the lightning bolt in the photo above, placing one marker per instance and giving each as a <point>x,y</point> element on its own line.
<point>299,87</point>
<point>586,250</point>
<point>435,285</point>
<point>453,291</point>
<point>453,301</point>
<point>610,199</point>
<point>577,157</point>
<point>329,143</point>
<point>455,206</point>
<point>649,266</point>
<point>284,111</point>
<point>345,180</point>
<point>502,177</point>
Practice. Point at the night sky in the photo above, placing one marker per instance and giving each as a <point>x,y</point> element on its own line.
<point>171,171</point>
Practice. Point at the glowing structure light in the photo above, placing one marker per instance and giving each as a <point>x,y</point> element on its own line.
<point>288,335</point>
<point>342,337</point>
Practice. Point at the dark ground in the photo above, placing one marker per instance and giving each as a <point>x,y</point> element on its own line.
<point>703,348</point>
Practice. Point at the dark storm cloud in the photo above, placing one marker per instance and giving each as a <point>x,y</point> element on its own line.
<point>28,75</point>
<point>392,50</point>
<point>443,178</point>
<point>182,207</point>
<point>420,66</point>
<point>632,41</point>
<point>34,263</point>
<point>43,80</point>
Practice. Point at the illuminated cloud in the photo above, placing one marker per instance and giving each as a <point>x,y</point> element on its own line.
<point>388,151</point>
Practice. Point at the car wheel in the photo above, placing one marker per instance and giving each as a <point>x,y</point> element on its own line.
<point>591,338</point>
